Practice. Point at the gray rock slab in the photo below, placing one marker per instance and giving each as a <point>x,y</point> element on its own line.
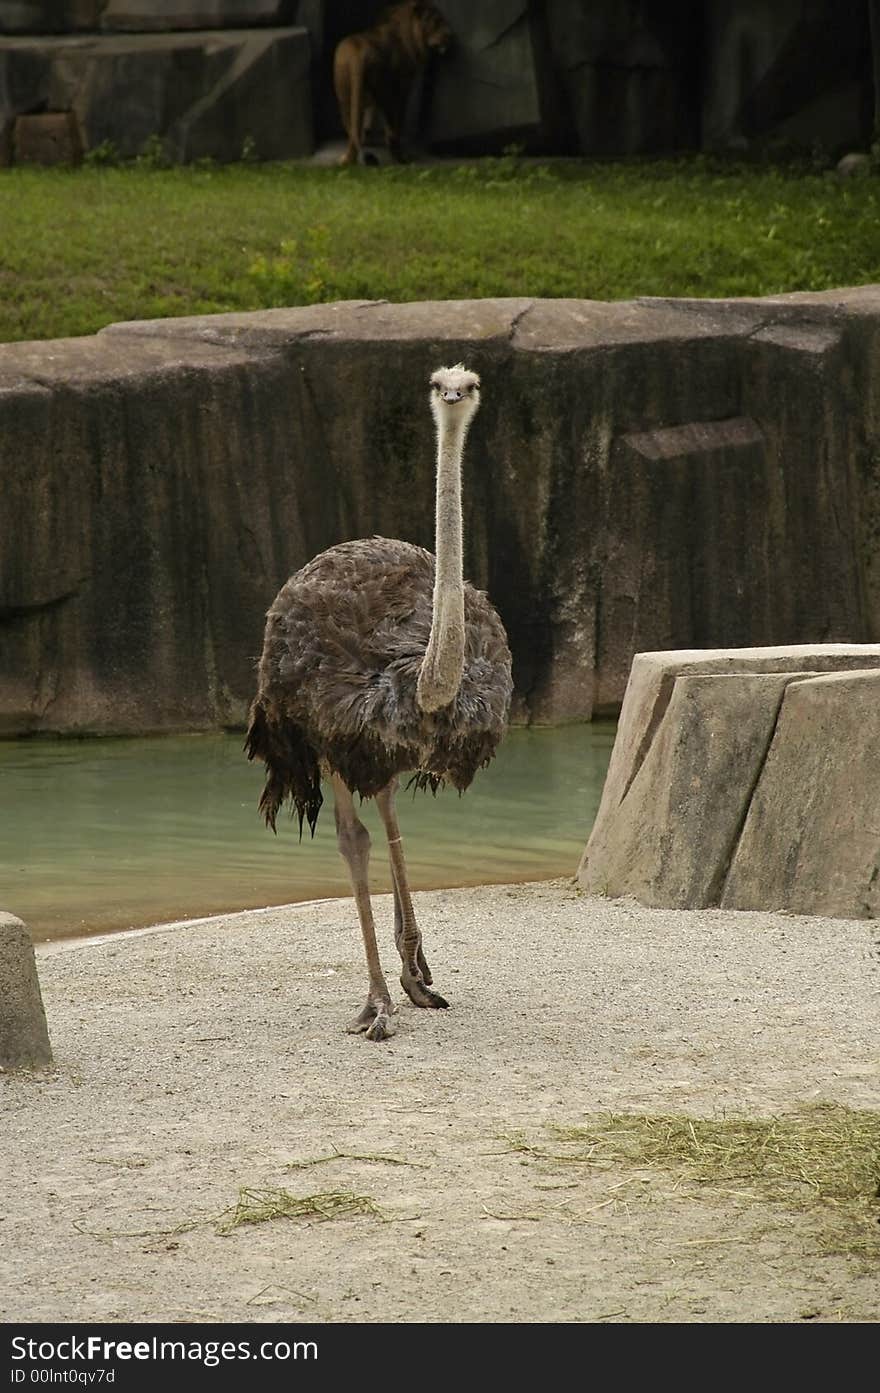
<point>112,558</point>
<point>370,321</point>
<point>670,839</point>
<point>747,778</point>
<point>651,685</point>
<point>811,840</point>
<point>95,361</point>
<point>24,1035</point>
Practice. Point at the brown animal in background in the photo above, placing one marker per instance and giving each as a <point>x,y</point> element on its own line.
<point>375,70</point>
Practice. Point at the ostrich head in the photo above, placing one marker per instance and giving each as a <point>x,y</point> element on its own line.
<point>455,396</point>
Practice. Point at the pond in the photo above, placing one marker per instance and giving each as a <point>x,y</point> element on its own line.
<point>100,835</point>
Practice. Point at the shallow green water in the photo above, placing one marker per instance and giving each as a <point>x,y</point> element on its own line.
<point>111,834</point>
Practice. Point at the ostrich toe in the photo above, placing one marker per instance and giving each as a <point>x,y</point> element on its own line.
<point>419,994</point>
<point>374,1021</point>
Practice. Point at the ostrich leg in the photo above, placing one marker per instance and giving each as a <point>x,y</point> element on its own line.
<point>398,935</point>
<point>354,846</point>
<point>415,977</point>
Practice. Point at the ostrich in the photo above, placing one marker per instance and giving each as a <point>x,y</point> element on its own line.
<point>379,658</point>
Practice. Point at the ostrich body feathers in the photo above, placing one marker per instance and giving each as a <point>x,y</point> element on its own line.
<point>344,644</point>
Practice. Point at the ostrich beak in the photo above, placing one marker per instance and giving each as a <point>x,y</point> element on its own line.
<point>452,394</point>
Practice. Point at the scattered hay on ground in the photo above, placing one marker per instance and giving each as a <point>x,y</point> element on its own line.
<point>260,1206</point>
<point>824,1155</point>
<point>256,1206</point>
<point>832,1151</point>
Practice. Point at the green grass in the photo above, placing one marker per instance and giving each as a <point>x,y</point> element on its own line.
<point>82,248</point>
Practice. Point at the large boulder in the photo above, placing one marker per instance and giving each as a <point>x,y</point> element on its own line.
<point>642,475</point>
<point>745,778</point>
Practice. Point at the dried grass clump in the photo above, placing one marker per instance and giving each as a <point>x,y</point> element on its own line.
<point>259,1206</point>
<point>821,1158</point>
<point>826,1152</point>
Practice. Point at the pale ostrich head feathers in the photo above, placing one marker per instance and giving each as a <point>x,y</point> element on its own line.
<point>455,394</point>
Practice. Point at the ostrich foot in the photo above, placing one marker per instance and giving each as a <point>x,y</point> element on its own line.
<point>417,991</point>
<point>421,960</point>
<point>374,1021</point>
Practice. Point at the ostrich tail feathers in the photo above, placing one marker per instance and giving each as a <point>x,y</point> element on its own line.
<point>292,769</point>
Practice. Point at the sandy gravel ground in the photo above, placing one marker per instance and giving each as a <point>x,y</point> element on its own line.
<point>192,1061</point>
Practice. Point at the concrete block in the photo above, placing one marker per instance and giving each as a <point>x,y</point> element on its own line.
<point>672,836</point>
<point>24,1036</point>
<point>747,778</point>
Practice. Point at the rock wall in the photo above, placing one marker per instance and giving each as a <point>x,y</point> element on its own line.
<point>787,72</point>
<point>609,78</point>
<point>204,94</point>
<point>639,76</point>
<point>645,475</point>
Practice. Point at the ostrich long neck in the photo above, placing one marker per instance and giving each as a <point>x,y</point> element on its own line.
<point>442,665</point>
